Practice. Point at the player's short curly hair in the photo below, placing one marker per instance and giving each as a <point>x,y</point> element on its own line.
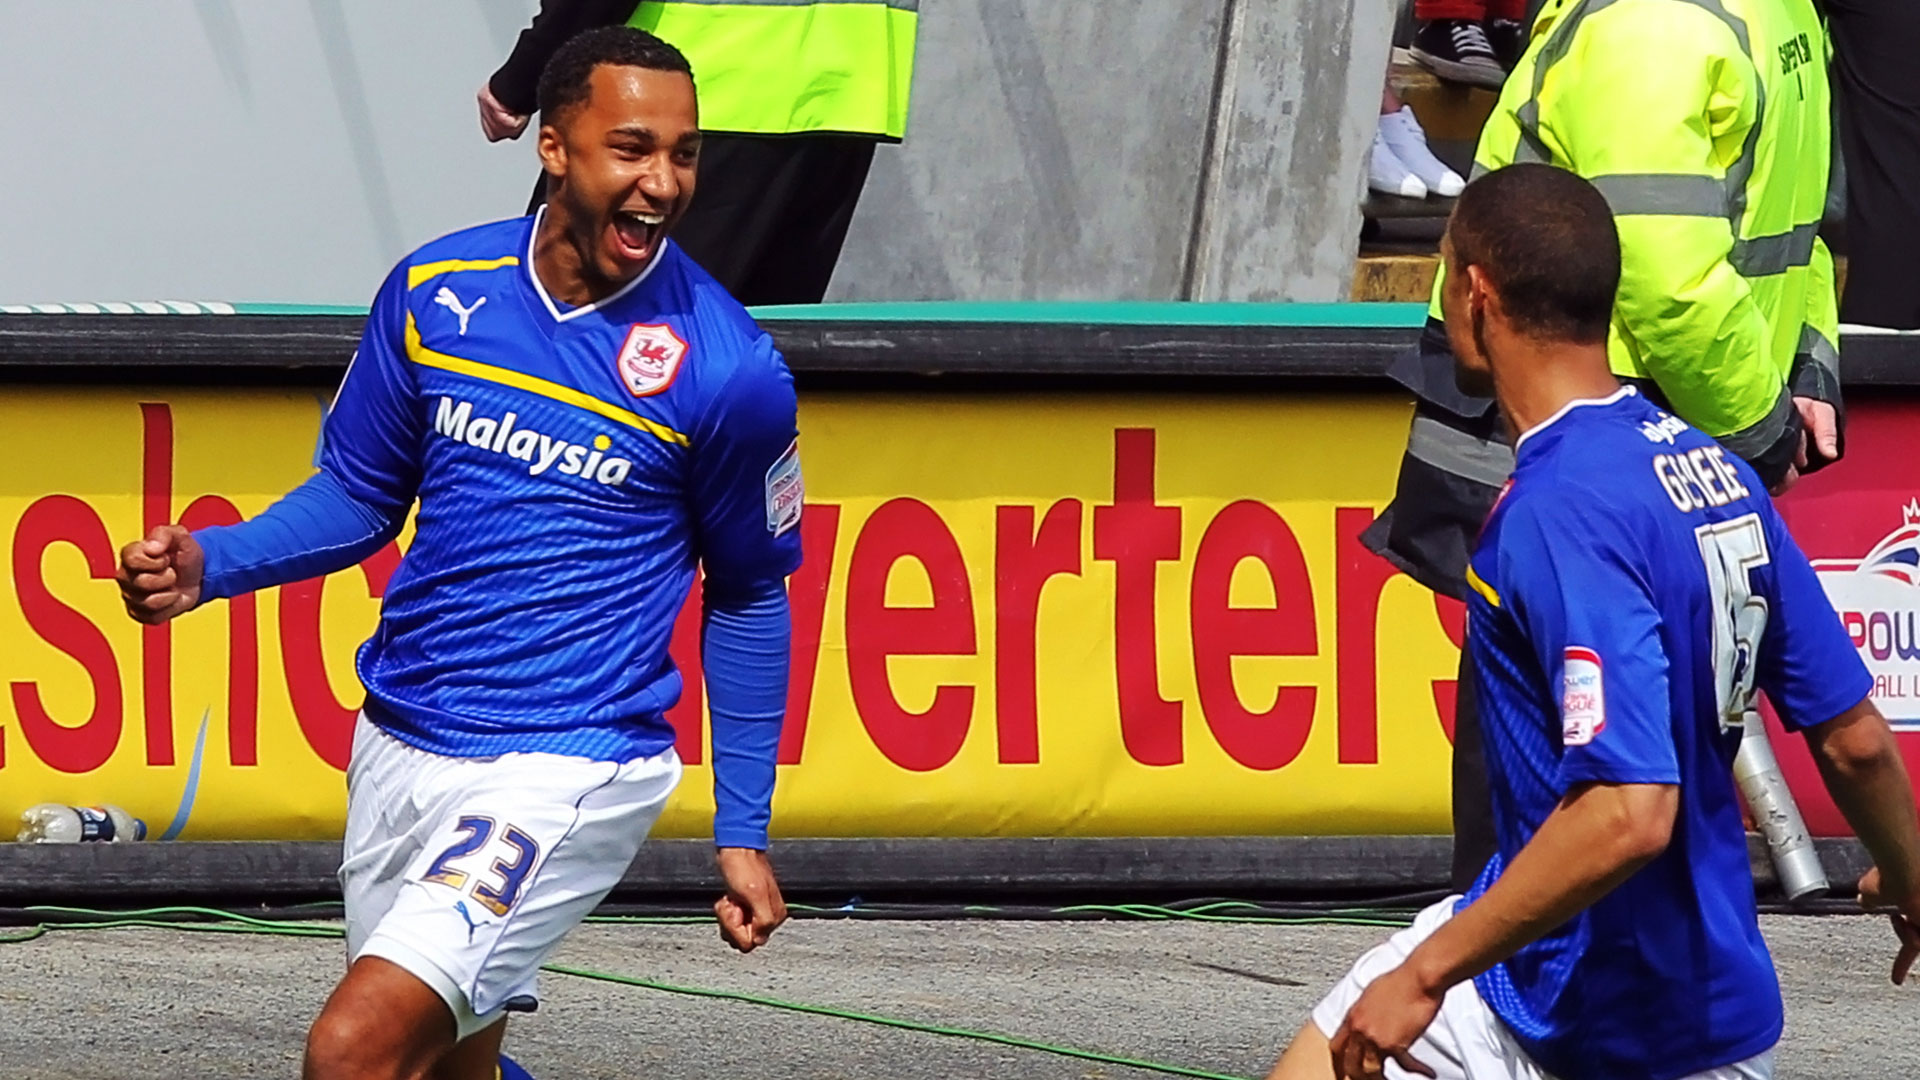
<point>1545,238</point>
<point>564,82</point>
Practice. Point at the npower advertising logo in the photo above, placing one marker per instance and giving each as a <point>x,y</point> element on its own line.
<point>1878,598</point>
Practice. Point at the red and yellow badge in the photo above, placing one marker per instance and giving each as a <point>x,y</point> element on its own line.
<point>650,358</point>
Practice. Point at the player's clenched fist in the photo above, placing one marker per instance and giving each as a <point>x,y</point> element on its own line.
<point>160,576</point>
<point>752,908</point>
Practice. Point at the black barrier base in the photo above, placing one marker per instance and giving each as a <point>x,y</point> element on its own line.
<point>1293,867</point>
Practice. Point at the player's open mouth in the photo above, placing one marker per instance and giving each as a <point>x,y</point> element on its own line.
<point>635,234</point>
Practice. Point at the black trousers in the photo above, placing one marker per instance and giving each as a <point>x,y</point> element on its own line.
<point>1878,96</point>
<point>1473,839</point>
<point>770,212</point>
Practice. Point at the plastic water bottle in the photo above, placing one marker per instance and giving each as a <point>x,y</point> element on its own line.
<point>52,823</point>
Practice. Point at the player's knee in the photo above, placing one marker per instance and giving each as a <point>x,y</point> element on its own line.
<point>345,1045</point>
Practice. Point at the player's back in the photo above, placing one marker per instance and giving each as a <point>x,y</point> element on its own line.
<point>1630,589</point>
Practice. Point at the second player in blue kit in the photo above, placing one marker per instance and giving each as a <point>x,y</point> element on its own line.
<point>583,418</point>
<point>1632,592</point>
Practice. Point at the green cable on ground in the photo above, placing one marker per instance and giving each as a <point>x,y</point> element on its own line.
<point>237,923</point>
<point>892,1022</point>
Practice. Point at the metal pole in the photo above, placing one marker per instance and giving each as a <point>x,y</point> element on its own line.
<point>1757,772</point>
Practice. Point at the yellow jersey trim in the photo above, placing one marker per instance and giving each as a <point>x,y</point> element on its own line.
<point>429,271</point>
<point>566,395</point>
<point>1481,587</point>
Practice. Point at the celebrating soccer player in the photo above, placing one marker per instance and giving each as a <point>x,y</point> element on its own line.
<point>1632,591</point>
<point>582,416</point>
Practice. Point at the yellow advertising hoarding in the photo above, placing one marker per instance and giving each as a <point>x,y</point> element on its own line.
<point>1034,615</point>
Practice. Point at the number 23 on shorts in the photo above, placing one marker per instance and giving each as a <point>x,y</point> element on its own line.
<point>512,873</point>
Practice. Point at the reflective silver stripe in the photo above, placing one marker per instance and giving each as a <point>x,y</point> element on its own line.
<point>1815,347</point>
<point>1759,256</point>
<point>1531,150</point>
<point>1755,439</point>
<point>1663,194</point>
<point>1454,451</point>
<point>903,5</point>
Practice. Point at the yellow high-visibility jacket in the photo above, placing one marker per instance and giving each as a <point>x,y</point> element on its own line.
<point>1705,124</point>
<point>779,67</point>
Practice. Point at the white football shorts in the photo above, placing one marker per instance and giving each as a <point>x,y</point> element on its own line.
<point>467,872</point>
<point>1466,1041</point>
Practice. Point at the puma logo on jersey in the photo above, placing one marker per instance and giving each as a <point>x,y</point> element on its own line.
<point>541,452</point>
<point>446,299</point>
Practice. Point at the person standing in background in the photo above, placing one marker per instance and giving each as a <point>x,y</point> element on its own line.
<point>1879,112</point>
<point>1475,42</point>
<point>1707,129</point>
<point>794,96</point>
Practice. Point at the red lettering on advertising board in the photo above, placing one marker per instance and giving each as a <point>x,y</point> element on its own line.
<point>1453,620</point>
<point>908,529</point>
<point>683,649</point>
<point>156,642</point>
<point>243,643</point>
<point>324,721</point>
<point>807,603</point>
<point>1251,530</point>
<point>1024,560</point>
<point>1359,579</point>
<point>63,519</point>
<point>1136,535</point>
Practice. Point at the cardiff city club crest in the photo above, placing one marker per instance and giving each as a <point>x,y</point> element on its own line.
<point>1878,598</point>
<point>650,358</point>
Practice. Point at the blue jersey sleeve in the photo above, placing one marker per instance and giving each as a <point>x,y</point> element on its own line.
<point>369,472</point>
<point>374,431</point>
<point>1587,608</point>
<point>746,485</point>
<point>746,504</point>
<point>1807,665</point>
<point>745,647</point>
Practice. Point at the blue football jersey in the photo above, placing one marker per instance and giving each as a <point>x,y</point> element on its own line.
<point>1631,592</point>
<point>572,465</point>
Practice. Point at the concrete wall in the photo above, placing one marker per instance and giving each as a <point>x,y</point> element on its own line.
<point>239,150</point>
<point>1126,149</point>
<point>291,151</point>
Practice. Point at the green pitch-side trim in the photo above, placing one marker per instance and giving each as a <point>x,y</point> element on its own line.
<point>1139,313</point>
<point>1124,313</point>
<point>299,309</point>
<point>1344,316</point>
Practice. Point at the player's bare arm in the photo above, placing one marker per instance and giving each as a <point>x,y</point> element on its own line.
<point>1863,770</point>
<point>1598,837</point>
<point>160,575</point>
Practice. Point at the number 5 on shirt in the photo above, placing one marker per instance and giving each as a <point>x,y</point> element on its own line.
<point>1732,550</point>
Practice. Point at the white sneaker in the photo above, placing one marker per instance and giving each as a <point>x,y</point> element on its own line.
<point>1408,141</point>
<point>1387,174</point>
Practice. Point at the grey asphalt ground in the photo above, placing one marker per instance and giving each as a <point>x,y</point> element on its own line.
<point>105,1005</point>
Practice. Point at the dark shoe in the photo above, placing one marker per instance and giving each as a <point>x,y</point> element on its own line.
<point>1458,50</point>
<point>1509,40</point>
